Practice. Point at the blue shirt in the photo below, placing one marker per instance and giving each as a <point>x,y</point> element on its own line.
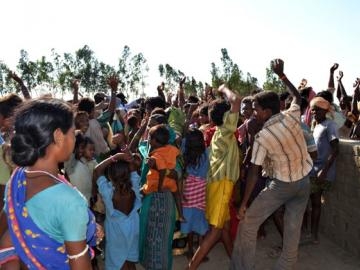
<point>324,133</point>
<point>122,231</point>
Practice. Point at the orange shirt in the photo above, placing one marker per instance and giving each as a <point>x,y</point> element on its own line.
<point>165,158</point>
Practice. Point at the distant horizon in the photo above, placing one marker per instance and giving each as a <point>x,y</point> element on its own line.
<point>310,36</point>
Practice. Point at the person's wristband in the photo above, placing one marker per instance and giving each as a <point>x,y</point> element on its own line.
<point>283,77</point>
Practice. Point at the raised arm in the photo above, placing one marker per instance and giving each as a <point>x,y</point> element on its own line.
<point>113,82</point>
<point>23,88</point>
<point>75,86</point>
<point>160,90</point>
<point>356,98</point>
<point>277,66</point>
<point>181,94</point>
<point>136,139</point>
<point>331,83</point>
<point>340,91</point>
<point>234,99</point>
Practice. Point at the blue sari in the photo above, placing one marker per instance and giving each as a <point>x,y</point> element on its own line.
<point>34,247</point>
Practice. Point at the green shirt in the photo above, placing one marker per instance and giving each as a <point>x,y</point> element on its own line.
<point>224,151</point>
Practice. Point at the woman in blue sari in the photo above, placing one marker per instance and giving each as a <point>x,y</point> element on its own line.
<point>49,223</point>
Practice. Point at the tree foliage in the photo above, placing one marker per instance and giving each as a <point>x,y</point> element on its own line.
<point>273,83</point>
<point>230,73</point>
<point>57,73</point>
<point>172,78</point>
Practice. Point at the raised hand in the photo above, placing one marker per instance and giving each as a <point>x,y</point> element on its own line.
<point>15,77</point>
<point>113,82</point>
<point>277,65</point>
<point>75,84</point>
<point>334,67</point>
<point>182,81</point>
<point>341,75</point>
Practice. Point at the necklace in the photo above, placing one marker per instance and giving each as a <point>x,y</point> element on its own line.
<point>48,174</point>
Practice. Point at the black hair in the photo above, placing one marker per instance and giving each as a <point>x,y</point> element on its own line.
<point>283,96</point>
<point>158,110</point>
<point>268,100</point>
<point>119,174</point>
<point>122,97</point>
<point>35,123</point>
<point>87,105</point>
<point>193,99</point>
<point>158,118</point>
<point>194,147</point>
<point>132,122</point>
<point>77,117</point>
<point>306,92</point>
<point>204,109</point>
<point>8,104</point>
<point>154,102</point>
<point>247,100</point>
<point>304,104</point>
<point>217,109</point>
<point>81,141</point>
<point>326,95</point>
<point>99,97</point>
<point>160,134</point>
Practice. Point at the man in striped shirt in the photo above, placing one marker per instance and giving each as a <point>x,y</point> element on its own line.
<point>280,148</point>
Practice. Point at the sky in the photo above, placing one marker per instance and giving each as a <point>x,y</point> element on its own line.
<point>309,35</point>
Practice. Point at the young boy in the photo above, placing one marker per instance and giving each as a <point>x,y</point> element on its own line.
<point>323,173</point>
<point>162,158</point>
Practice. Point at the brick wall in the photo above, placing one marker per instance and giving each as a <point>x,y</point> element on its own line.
<point>340,217</point>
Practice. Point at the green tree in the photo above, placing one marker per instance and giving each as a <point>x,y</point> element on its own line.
<point>272,82</point>
<point>173,76</point>
<point>231,74</point>
<point>132,71</point>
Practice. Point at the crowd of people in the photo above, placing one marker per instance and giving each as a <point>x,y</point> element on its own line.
<point>101,177</point>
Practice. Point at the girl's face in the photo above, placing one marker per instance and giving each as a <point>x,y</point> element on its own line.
<point>89,151</point>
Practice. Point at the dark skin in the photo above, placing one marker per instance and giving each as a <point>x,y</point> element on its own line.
<point>262,115</point>
<point>216,234</point>
<point>24,89</point>
<point>320,116</point>
<point>331,83</point>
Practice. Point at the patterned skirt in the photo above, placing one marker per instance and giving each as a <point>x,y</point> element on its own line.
<point>157,222</point>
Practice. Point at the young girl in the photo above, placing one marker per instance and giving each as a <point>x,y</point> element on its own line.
<point>119,189</point>
<point>80,167</point>
<point>196,165</point>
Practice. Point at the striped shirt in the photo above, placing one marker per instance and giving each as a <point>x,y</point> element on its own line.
<point>280,147</point>
<point>194,192</point>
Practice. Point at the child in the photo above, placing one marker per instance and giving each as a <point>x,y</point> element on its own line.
<point>324,170</point>
<point>196,165</point>
<point>117,186</point>
<point>81,121</point>
<point>79,168</point>
<point>162,158</point>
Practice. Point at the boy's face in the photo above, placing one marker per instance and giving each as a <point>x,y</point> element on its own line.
<point>318,113</point>
<point>261,115</point>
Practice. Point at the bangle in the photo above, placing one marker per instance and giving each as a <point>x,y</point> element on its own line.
<point>76,256</point>
<point>283,77</point>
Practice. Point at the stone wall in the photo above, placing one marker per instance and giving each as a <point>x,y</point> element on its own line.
<point>340,217</point>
